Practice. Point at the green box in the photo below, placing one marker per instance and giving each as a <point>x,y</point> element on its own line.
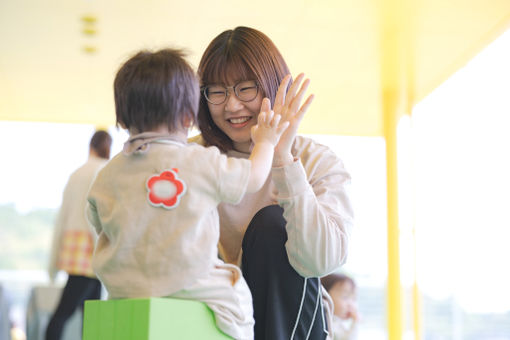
<point>149,319</point>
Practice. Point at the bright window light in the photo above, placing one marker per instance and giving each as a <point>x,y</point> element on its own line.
<point>462,167</point>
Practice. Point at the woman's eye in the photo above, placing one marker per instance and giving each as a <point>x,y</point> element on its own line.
<point>243,89</point>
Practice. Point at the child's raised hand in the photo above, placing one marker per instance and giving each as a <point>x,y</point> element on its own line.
<point>269,127</point>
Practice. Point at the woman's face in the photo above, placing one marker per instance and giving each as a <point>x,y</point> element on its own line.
<point>236,118</point>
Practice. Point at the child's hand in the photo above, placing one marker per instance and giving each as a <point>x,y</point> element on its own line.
<point>269,128</point>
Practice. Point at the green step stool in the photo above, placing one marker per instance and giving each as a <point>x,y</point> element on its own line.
<point>149,319</point>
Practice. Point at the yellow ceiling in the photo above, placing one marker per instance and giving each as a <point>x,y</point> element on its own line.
<point>340,44</point>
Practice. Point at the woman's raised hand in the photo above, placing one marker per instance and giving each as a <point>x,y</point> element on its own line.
<point>288,105</point>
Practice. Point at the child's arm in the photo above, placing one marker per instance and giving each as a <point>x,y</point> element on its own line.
<point>92,216</point>
<point>265,135</point>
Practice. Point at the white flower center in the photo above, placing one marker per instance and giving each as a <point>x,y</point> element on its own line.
<point>164,189</point>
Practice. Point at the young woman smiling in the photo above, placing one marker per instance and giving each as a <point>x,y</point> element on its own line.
<point>296,228</point>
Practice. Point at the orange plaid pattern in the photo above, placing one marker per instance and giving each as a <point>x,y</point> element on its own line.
<point>76,253</point>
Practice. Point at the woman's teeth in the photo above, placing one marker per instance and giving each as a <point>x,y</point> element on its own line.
<point>239,120</point>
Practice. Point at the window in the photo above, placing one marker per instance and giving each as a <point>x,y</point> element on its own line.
<point>364,158</point>
<point>462,167</point>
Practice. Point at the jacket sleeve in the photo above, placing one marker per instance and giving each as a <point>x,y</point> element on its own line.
<point>313,193</point>
<point>92,216</point>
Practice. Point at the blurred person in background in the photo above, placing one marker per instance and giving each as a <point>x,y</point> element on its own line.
<point>73,239</point>
<point>342,290</point>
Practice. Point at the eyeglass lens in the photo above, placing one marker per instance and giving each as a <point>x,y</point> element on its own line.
<point>246,91</point>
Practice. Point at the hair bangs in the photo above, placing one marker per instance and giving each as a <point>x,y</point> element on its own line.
<point>227,69</point>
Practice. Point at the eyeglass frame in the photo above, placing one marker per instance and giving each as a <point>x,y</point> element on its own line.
<point>227,91</point>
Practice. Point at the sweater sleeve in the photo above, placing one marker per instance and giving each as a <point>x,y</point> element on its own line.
<point>313,193</point>
<point>92,216</point>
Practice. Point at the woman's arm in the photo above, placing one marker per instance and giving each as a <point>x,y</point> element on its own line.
<point>313,193</point>
<point>312,189</point>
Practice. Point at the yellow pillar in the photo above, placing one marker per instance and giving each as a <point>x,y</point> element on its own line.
<point>417,324</point>
<point>397,81</point>
<point>394,294</point>
<point>395,99</point>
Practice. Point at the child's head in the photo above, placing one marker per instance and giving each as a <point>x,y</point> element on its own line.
<point>342,290</point>
<point>154,89</point>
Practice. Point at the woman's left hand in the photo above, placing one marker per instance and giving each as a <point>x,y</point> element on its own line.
<point>288,105</point>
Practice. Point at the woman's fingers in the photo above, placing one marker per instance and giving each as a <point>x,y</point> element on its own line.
<point>304,108</point>
<point>281,128</point>
<point>293,89</point>
<point>282,90</point>
<point>288,104</point>
<point>296,102</point>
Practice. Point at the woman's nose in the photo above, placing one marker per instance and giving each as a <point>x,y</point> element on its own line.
<point>233,103</point>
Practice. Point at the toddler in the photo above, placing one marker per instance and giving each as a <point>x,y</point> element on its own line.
<point>154,205</point>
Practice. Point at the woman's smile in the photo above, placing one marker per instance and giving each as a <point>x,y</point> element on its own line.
<point>239,122</point>
<point>235,118</point>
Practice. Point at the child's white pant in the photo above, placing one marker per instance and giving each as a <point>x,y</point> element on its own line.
<point>225,291</point>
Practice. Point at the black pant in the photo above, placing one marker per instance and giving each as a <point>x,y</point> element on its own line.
<point>286,305</point>
<point>77,290</point>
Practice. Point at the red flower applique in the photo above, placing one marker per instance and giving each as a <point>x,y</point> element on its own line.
<point>165,189</point>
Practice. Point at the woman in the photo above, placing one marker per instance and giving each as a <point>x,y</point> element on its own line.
<point>296,228</point>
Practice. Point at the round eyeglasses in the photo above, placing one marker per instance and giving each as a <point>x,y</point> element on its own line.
<point>245,91</point>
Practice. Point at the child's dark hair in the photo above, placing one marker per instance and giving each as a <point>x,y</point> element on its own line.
<point>330,280</point>
<point>101,143</point>
<point>155,88</point>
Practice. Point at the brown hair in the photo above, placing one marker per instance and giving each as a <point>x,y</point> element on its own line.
<point>155,88</point>
<point>332,279</point>
<point>239,54</point>
<point>101,143</point>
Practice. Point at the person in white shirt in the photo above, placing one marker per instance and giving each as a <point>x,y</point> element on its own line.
<point>73,239</point>
<point>154,206</point>
<point>296,228</point>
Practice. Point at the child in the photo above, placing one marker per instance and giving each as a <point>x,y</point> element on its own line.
<point>154,205</point>
<point>342,290</point>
